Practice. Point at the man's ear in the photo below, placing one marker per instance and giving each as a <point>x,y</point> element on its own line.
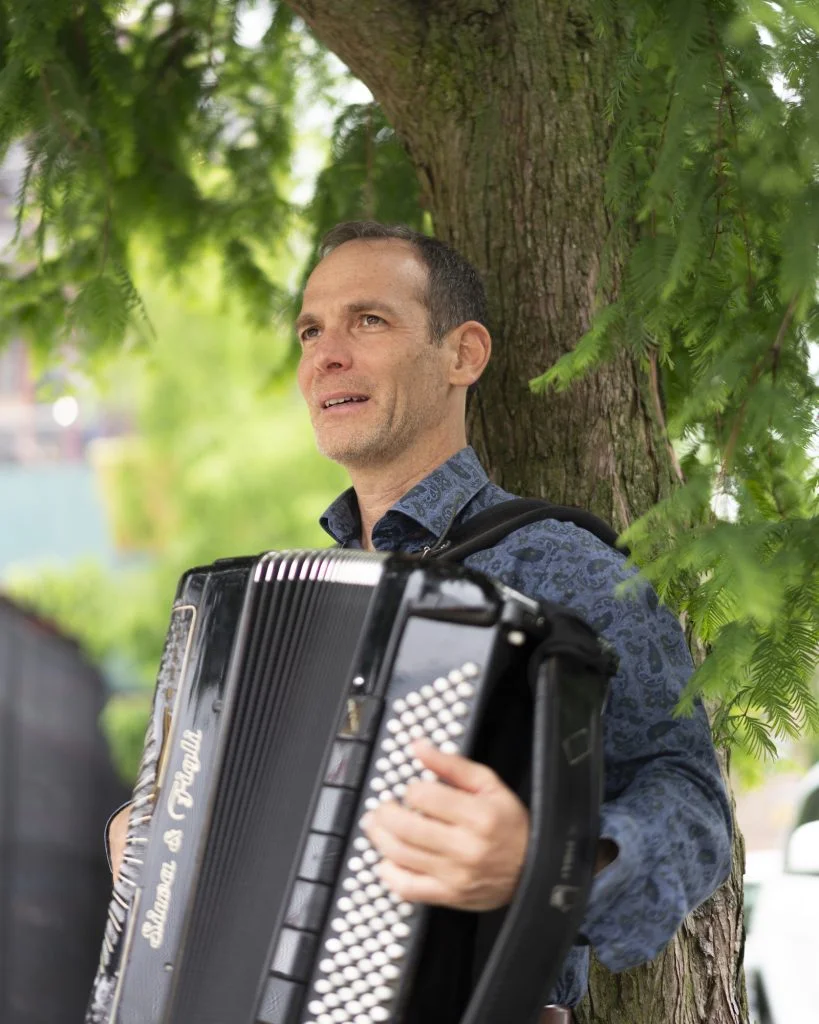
<point>471,346</point>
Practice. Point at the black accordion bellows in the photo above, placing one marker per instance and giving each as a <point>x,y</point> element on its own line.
<point>290,690</point>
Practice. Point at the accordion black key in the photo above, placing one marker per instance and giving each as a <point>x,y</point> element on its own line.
<point>290,691</point>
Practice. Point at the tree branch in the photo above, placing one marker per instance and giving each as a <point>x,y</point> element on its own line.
<point>381,43</point>
<point>654,381</point>
<point>756,373</point>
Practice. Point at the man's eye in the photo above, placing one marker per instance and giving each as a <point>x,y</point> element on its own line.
<point>306,335</point>
<point>372,316</point>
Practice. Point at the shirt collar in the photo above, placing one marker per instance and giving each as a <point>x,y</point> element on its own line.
<point>431,504</point>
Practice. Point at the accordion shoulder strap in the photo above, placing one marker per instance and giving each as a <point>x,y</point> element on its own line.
<point>490,526</point>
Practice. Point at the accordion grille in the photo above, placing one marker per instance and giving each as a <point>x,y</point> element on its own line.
<point>294,663</point>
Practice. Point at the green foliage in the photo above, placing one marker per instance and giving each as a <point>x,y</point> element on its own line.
<point>712,186</point>
<point>163,125</point>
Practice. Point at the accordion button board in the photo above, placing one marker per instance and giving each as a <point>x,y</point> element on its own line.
<point>372,935</point>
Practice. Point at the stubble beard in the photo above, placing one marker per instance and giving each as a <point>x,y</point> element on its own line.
<point>362,447</point>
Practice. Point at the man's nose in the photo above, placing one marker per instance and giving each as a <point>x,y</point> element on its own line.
<point>333,351</point>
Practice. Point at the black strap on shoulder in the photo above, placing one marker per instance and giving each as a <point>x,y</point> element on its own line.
<point>485,529</point>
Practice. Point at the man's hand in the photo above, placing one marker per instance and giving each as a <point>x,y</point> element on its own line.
<point>460,845</point>
<point>117,833</point>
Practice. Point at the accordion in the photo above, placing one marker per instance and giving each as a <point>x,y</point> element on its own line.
<point>289,691</point>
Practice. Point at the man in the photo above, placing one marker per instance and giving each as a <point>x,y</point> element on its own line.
<point>393,334</point>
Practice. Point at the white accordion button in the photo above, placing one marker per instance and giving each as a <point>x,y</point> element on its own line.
<point>408,718</point>
<point>322,986</point>
<point>404,909</point>
<point>454,728</point>
<point>377,784</point>
<point>342,959</point>
<point>334,945</point>
<point>465,690</point>
<point>435,705</point>
<point>416,732</point>
<point>441,686</point>
<point>470,669</point>
<point>449,747</point>
<point>427,692</point>
<point>390,972</point>
<point>355,863</point>
<point>393,726</point>
<point>395,951</point>
<point>379,1013</point>
<point>361,843</point>
<point>397,757</point>
<point>383,764</point>
<point>326,966</point>
<point>403,738</point>
<point>456,676</point>
<point>445,716</point>
<point>459,708</point>
<point>399,705</point>
<point>370,857</point>
<point>371,803</point>
<point>388,744</point>
<point>400,929</point>
<point>413,699</point>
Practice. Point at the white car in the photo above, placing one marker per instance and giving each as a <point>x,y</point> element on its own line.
<point>782,946</point>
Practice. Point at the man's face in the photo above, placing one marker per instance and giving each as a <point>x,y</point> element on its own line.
<point>373,382</point>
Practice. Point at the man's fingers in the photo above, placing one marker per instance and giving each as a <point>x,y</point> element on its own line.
<point>458,771</point>
<point>409,885</point>
<point>405,853</point>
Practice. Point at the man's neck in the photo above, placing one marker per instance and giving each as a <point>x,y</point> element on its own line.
<point>379,488</point>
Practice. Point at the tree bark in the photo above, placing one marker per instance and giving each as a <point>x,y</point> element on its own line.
<point>501,108</point>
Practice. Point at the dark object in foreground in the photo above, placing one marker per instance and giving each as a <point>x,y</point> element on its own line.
<point>290,687</point>
<point>56,786</point>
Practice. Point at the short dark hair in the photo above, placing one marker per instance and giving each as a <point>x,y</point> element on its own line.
<point>455,291</point>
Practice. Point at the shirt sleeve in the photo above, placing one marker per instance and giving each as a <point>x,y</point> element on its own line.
<point>665,804</point>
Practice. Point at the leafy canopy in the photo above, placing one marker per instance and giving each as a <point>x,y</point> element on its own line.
<point>157,121</point>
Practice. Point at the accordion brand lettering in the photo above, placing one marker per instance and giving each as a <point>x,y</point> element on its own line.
<point>153,928</point>
<point>180,794</point>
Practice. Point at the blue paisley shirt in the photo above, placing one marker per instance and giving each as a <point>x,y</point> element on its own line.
<point>665,805</point>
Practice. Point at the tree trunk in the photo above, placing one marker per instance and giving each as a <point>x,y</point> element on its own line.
<point>501,108</point>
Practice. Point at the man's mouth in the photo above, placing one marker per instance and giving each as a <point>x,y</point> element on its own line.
<point>330,403</point>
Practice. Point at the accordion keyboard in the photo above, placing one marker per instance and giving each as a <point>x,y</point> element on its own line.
<point>370,941</point>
